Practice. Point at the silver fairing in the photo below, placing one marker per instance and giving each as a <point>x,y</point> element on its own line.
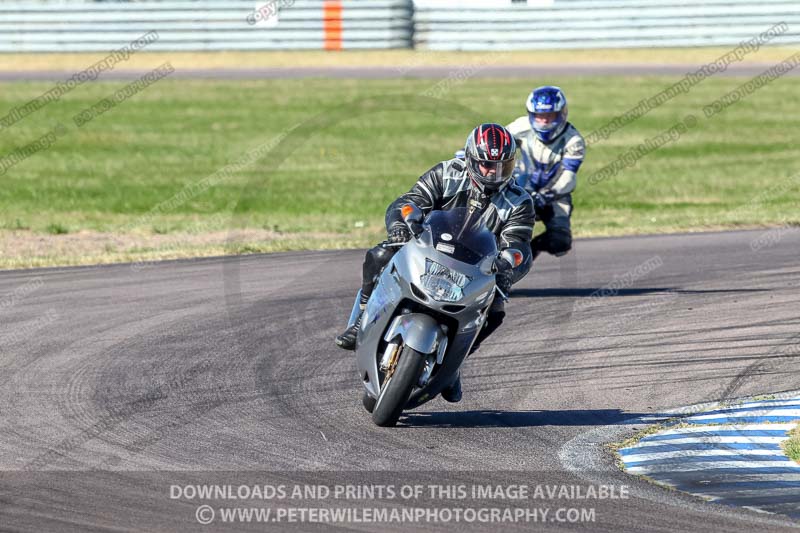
<point>394,287</point>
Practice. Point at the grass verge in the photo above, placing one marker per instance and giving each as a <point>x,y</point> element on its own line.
<point>348,147</point>
<point>792,445</point>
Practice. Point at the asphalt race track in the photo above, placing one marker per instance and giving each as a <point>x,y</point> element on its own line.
<point>118,383</point>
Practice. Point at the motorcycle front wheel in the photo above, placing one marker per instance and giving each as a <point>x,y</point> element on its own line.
<point>396,390</point>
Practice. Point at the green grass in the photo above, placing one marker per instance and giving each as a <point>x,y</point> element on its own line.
<point>15,224</point>
<point>369,142</point>
<point>792,445</point>
<point>56,229</point>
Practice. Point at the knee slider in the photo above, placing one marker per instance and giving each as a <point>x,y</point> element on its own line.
<point>560,242</point>
<point>381,256</point>
<point>376,258</point>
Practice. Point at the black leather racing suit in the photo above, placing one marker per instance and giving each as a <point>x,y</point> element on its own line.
<point>508,213</point>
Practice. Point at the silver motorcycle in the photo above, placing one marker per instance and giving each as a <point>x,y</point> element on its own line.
<point>427,308</point>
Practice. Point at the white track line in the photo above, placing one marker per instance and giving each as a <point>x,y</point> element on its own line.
<point>725,439</point>
<point>765,403</point>
<point>748,414</point>
<point>708,467</point>
<point>680,454</point>
<point>783,426</point>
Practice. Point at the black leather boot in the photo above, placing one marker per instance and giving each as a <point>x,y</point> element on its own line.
<point>347,340</point>
<point>453,393</point>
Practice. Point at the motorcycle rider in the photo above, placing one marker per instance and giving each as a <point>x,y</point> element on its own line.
<point>482,181</point>
<point>552,152</point>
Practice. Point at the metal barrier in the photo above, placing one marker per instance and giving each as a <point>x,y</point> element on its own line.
<point>83,25</point>
<point>53,26</point>
<point>600,23</point>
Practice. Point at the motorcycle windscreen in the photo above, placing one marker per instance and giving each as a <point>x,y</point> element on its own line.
<point>461,234</point>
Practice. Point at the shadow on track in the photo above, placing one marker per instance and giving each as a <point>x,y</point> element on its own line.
<point>595,291</point>
<point>517,419</point>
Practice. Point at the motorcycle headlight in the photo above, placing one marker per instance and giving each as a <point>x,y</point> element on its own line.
<point>443,284</point>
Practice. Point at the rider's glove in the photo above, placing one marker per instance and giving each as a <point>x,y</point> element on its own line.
<point>542,199</point>
<point>502,266</point>
<point>503,281</point>
<point>399,234</point>
<point>520,177</point>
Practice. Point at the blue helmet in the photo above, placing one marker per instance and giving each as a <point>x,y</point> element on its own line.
<point>547,99</point>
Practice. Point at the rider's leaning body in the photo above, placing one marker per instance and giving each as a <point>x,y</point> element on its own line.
<point>552,152</point>
<point>483,181</point>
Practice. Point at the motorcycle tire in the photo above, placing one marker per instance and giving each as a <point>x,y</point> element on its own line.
<point>395,392</point>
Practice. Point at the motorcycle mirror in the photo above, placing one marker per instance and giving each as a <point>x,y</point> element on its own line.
<point>412,215</point>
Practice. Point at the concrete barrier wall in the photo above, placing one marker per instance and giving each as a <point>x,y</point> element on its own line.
<point>196,25</point>
<point>543,24</point>
<point>53,26</point>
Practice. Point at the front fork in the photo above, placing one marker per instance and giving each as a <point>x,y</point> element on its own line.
<point>420,332</point>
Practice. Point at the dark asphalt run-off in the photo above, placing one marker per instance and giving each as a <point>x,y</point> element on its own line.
<point>119,383</point>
